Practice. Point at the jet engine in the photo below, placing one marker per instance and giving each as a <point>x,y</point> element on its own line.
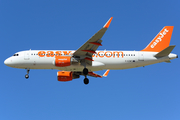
<point>66,76</point>
<point>63,61</point>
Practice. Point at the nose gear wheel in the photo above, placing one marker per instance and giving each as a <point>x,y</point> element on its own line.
<point>27,75</point>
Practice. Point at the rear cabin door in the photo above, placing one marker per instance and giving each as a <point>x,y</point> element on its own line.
<point>140,56</point>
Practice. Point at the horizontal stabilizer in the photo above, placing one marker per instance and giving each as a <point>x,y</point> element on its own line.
<point>165,52</point>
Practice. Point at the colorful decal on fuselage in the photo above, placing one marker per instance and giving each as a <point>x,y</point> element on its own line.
<point>100,54</point>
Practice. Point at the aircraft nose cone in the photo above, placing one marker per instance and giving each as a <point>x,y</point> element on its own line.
<point>7,62</point>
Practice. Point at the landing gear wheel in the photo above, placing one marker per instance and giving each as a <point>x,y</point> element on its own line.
<point>85,71</point>
<point>86,81</point>
<point>26,76</point>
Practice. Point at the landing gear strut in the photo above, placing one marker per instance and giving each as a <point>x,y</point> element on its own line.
<point>85,72</point>
<point>27,75</point>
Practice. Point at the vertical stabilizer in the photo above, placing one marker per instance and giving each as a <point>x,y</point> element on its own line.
<point>161,41</point>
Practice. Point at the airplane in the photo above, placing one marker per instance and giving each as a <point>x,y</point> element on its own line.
<point>87,59</point>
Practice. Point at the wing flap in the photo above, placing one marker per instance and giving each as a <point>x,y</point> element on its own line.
<point>92,74</point>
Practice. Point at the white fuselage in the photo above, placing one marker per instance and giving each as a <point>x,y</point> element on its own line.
<point>31,59</point>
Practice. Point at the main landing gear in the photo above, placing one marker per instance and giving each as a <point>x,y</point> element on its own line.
<point>85,72</point>
<point>86,80</point>
<point>27,75</point>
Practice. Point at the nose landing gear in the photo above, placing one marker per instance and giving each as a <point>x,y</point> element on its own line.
<point>27,75</point>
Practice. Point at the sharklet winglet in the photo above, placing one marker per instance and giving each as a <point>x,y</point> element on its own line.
<point>108,23</point>
<point>106,73</point>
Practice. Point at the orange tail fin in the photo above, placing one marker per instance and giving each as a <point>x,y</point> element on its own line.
<point>161,41</point>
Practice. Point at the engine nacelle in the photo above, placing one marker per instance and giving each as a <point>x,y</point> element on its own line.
<point>66,76</point>
<point>63,61</point>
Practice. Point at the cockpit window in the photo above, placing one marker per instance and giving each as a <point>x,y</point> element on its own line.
<point>16,55</point>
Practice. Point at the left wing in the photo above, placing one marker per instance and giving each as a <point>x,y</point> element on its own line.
<point>88,49</point>
<point>92,74</point>
<point>96,75</point>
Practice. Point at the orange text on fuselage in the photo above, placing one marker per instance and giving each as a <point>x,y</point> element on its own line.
<point>100,54</point>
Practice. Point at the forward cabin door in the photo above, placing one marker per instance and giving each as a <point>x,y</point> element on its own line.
<point>26,55</point>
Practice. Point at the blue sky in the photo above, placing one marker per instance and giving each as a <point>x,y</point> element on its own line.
<point>147,93</point>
